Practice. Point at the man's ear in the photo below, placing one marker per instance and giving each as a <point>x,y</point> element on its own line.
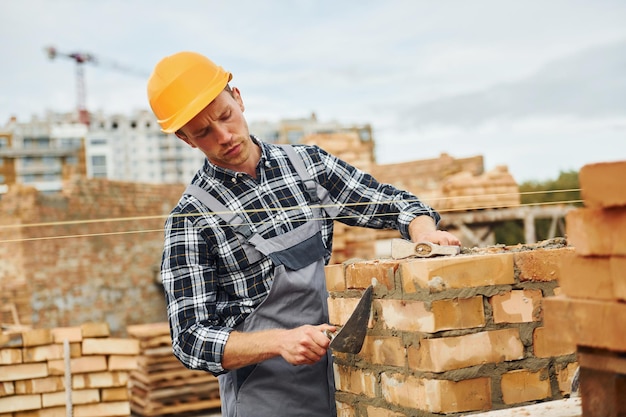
<point>238,99</point>
<point>182,136</point>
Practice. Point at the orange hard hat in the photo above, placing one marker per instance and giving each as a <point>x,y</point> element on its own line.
<point>183,84</point>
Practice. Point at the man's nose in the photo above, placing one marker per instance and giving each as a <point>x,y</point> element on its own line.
<point>222,134</point>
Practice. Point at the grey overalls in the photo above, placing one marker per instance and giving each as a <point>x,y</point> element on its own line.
<point>298,296</point>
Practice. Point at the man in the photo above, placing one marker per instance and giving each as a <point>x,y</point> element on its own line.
<point>245,248</point>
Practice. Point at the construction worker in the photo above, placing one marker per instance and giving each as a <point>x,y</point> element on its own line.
<point>246,245</point>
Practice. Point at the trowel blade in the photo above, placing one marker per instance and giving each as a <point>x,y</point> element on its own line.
<point>351,336</point>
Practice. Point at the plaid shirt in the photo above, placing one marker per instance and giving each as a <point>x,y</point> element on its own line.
<point>211,285</point>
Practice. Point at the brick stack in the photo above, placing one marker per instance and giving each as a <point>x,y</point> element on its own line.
<point>493,189</point>
<point>349,242</point>
<point>591,313</point>
<point>32,372</point>
<point>451,334</point>
<point>161,385</point>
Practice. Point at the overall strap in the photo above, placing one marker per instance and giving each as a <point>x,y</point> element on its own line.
<point>317,193</point>
<point>235,220</point>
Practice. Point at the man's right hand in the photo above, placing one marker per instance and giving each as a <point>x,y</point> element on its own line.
<point>304,345</point>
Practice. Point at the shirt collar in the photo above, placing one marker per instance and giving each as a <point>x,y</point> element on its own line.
<point>224,174</point>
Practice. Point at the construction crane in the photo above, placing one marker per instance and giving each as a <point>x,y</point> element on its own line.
<point>81,58</point>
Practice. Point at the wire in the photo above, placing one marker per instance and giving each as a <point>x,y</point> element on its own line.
<point>563,202</point>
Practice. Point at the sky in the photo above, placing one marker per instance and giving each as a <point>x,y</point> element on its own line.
<point>536,85</point>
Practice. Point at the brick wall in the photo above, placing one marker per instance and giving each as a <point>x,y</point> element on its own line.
<point>88,254</point>
<point>590,313</point>
<point>452,335</point>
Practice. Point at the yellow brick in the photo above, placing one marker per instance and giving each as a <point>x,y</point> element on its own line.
<point>94,330</point>
<point>602,184</point>
<point>110,346</point>
<point>78,365</point>
<point>384,350</point>
<point>37,337</point>
<point>597,232</point>
<point>71,334</point>
<point>7,388</point>
<point>382,412</point>
<point>44,412</point>
<point>23,371</point>
<point>447,353</point>
<point>43,353</point>
<point>517,306</point>
<point>436,396</point>
<point>340,309</point>
<point>565,376</point>
<point>541,264</point>
<point>594,277</point>
<point>344,410</point>
<point>522,385</point>
<point>457,272</point>
<point>115,394</point>
<point>360,275</point>
<point>118,408</point>
<point>10,356</point>
<point>20,403</point>
<point>86,396</point>
<point>122,363</point>
<point>548,348</point>
<point>335,278</point>
<point>100,380</point>
<point>40,385</point>
<point>355,381</point>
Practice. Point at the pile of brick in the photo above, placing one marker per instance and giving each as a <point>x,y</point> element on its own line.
<point>33,372</point>
<point>161,385</point>
<point>451,334</point>
<point>591,313</point>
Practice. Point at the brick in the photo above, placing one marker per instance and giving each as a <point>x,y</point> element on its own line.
<point>436,395</point>
<point>340,309</point>
<point>517,306</point>
<point>7,388</point>
<point>457,272</point>
<point>541,265</point>
<point>78,365</point>
<point>594,277</point>
<point>23,371</point>
<point>415,316</point>
<point>37,337</point>
<point>10,340</point>
<point>592,323</point>
<point>355,381</point>
<point>122,363</point>
<point>85,396</point>
<point>565,376</point>
<point>382,412</point>
<point>95,330</point>
<point>602,184</point>
<point>43,353</point>
<point>20,403</point>
<point>40,385</point>
<point>115,394</point>
<point>544,347</point>
<point>602,393</point>
<point>360,275</point>
<point>597,232</point>
<point>335,278</point>
<point>10,356</point>
<point>344,409</point>
<point>384,350</point>
<point>118,408</point>
<point>522,385</point>
<point>44,412</point>
<point>71,334</point>
<point>602,360</point>
<point>100,380</point>
<point>110,346</point>
<point>447,353</point>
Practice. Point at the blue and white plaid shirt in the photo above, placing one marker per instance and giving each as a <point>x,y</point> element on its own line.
<point>211,285</point>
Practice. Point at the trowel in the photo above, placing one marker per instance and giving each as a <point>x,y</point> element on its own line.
<point>350,337</point>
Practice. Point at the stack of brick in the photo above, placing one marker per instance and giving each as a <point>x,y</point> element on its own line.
<point>161,385</point>
<point>33,372</point>
<point>591,312</point>
<point>349,242</point>
<point>452,334</point>
<point>493,189</point>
